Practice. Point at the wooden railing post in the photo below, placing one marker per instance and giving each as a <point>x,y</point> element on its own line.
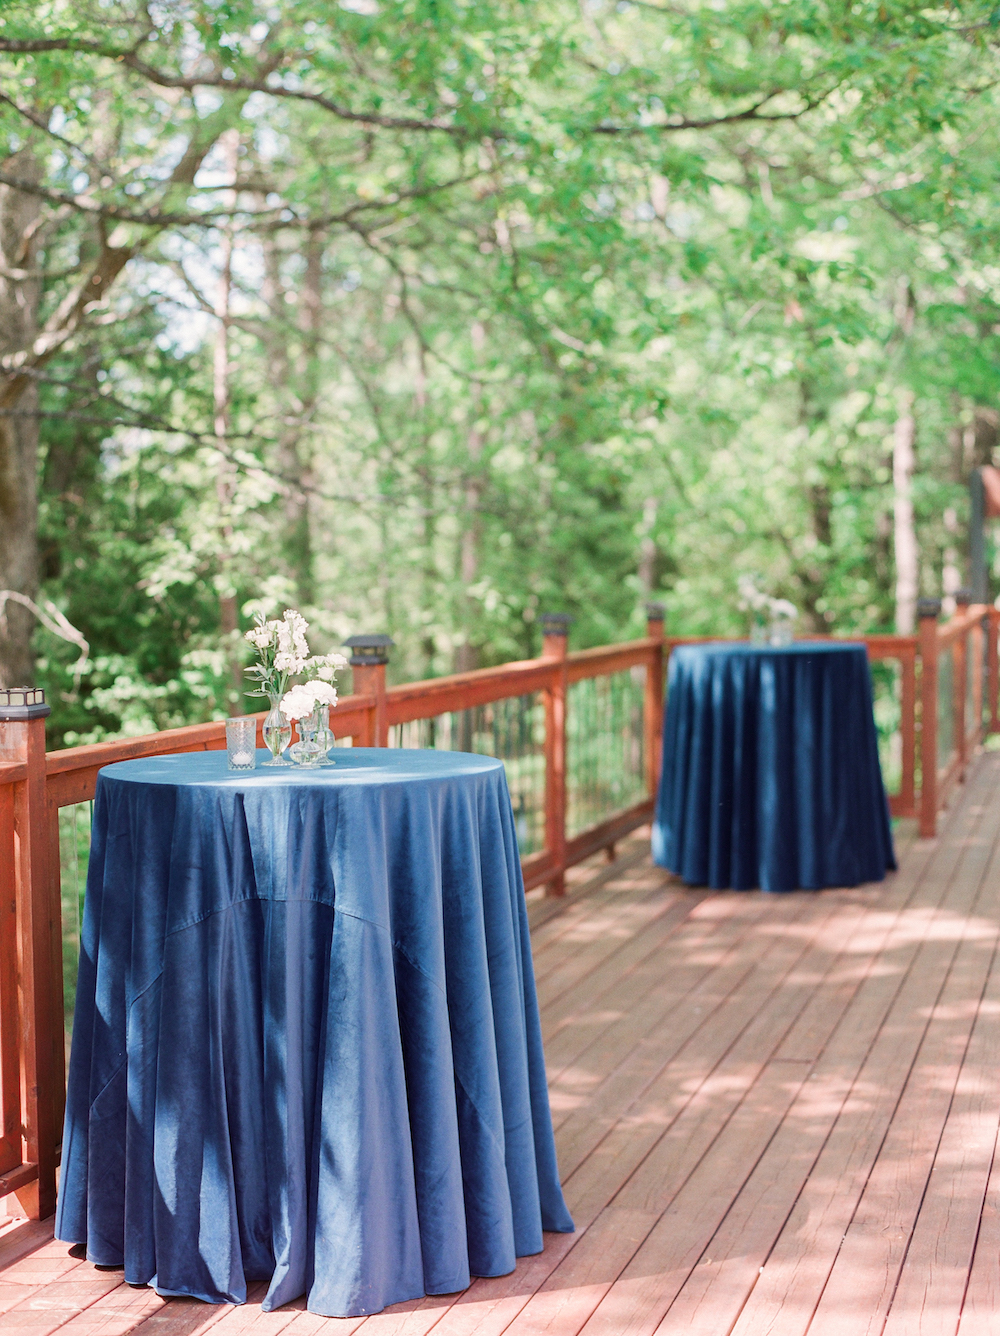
<point>39,948</point>
<point>977,637</point>
<point>369,656</point>
<point>555,635</point>
<point>960,686</point>
<point>928,610</point>
<point>993,670</point>
<point>908,732</point>
<point>653,701</point>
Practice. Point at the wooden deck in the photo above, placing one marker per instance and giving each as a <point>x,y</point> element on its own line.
<point>775,1115</point>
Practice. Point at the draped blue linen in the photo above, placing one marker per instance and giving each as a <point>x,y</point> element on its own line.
<point>771,774</point>
<point>306,1046</point>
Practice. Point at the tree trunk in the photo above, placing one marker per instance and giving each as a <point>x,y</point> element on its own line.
<point>981,437</point>
<point>20,294</point>
<point>225,481</point>
<point>904,533</point>
<point>297,451</point>
<point>427,475</point>
<point>647,548</point>
<point>301,380</point>
<point>467,652</point>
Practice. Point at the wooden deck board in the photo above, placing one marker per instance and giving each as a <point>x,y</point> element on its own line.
<point>884,1027</point>
<point>775,1115</point>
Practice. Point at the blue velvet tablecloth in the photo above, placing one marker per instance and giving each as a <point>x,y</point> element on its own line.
<point>306,1046</point>
<point>770,773</point>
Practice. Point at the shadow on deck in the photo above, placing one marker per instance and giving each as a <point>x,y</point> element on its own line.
<point>774,1114</point>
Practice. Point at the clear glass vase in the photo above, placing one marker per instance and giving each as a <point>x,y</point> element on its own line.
<point>780,633</point>
<point>324,736</point>
<point>307,751</point>
<point>277,732</point>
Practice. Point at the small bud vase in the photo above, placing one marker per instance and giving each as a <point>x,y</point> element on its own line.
<point>307,751</point>
<point>277,733</point>
<point>324,736</point>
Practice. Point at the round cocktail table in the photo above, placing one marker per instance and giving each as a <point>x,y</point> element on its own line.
<point>770,773</point>
<point>306,1046</point>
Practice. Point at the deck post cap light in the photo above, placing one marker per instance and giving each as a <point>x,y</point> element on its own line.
<point>23,703</point>
<point>655,612</point>
<point>928,607</point>
<point>556,623</point>
<point>369,650</point>
<point>963,597</point>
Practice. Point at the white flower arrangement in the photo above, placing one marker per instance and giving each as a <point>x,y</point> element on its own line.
<point>753,599</point>
<point>283,652</point>
<point>772,618</point>
<point>303,698</point>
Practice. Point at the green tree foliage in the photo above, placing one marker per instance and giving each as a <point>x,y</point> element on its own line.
<point>429,316</point>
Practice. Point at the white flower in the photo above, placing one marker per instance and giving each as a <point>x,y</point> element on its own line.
<point>303,698</point>
<point>780,607</point>
<point>297,703</point>
<point>288,662</point>
<point>292,634</point>
<point>325,666</point>
<point>261,636</point>
<point>750,596</point>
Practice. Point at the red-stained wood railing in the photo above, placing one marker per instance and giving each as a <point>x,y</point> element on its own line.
<point>31,1041</point>
<point>11,775</point>
<point>970,704</point>
<point>34,786</point>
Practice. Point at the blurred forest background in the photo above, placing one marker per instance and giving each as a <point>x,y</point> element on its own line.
<point>427,316</point>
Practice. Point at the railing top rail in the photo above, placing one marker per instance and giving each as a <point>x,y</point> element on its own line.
<point>480,686</point>
<point>190,737</point>
<point>13,772</point>
<point>461,691</point>
<point>639,648</point>
<point>867,637</point>
<point>887,643</point>
<point>961,622</point>
<point>607,659</point>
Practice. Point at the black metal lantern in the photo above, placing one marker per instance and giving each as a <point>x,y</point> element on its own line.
<point>369,651</point>
<point>23,703</point>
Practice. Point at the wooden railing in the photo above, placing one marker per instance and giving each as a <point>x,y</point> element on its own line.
<point>569,769</point>
<point>959,698</point>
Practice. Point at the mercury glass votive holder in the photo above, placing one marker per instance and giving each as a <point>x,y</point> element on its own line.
<point>241,743</point>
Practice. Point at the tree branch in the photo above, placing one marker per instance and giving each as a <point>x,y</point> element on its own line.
<point>154,217</point>
<point>40,124</point>
<point>163,79</point>
<point>18,366</point>
<point>707,123</point>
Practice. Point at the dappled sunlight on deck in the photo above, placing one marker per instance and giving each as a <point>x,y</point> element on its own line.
<point>775,1115</point>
